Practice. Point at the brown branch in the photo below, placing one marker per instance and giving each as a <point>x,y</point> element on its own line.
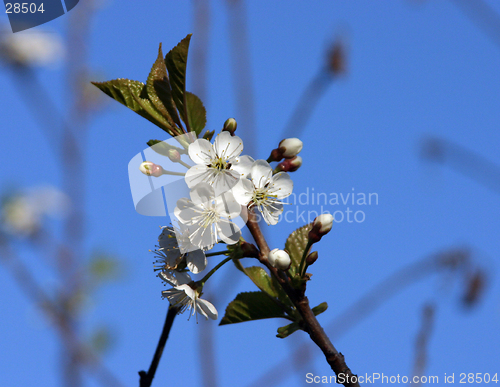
<point>311,325</point>
<point>449,260</point>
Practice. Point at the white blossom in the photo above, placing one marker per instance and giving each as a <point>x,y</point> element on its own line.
<point>31,48</point>
<point>175,245</point>
<point>208,218</point>
<point>220,164</point>
<point>187,298</point>
<point>23,214</point>
<point>264,190</point>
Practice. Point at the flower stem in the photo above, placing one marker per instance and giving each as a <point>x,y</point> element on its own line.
<point>147,378</point>
<point>184,164</point>
<point>217,253</point>
<point>173,173</point>
<point>311,325</point>
<point>304,256</point>
<point>204,279</point>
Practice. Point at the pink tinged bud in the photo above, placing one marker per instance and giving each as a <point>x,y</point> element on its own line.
<point>290,147</point>
<point>174,155</point>
<point>289,165</point>
<point>321,226</point>
<point>230,125</point>
<point>279,259</point>
<point>151,169</point>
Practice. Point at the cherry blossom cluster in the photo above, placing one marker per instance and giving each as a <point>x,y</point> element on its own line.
<point>223,185</point>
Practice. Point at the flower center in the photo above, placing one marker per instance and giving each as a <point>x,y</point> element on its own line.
<point>220,164</point>
<point>260,196</point>
<point>210,216</point>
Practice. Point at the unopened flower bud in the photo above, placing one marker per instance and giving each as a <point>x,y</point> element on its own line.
<point>174,155</point>
<point>290,147</point>
<point>311,258</point>
<point>289,165</point>
<point>249,250</point>
<point>279,259</point>
<point>230,126</point>
<point>151,169</point>
<point>321,226</point>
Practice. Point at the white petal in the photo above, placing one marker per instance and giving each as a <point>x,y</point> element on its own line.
<point>224,181</point>
<point>187,216</point>
<point>243,166</point>
<point>182,277</point>
<point>198,174</point>
<point>203,237</point>
<point>207,308</point>
<point>168,277</point>
<point>188,290</point>
<point>202,193</point>
<point>261,173</point>
<point>271,216</point>
<point>227,146</point>
<point>228,231</point>
<point>196,261</point>
<point>201,151</point>
<point>167,239</point>
<point>227,206</point>
<point>281,185</point>
<point>243,191</point>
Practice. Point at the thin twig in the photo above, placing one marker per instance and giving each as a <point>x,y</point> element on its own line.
<point>422,340</point>
<point>147,378</point>
<point>483,15</point>
<point>29,285</point>
<point>307,102</point>
<point>464,161</point>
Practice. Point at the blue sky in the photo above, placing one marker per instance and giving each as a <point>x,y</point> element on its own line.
<point>415,69</point>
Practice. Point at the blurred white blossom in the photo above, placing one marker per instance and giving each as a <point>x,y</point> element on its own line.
<point>23,213</point>
<point>31,48</point>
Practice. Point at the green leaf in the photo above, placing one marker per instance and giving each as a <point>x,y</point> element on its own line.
<point>122,90</point>
<point>260,278</point>
<point>133,95</point>
<point>159,92</point>
<point>196,113</point>
<point>287,330</point>
<point>320,308</point>
<point>251,306</point>
<point>176,62</point>
<point>296,244</point>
